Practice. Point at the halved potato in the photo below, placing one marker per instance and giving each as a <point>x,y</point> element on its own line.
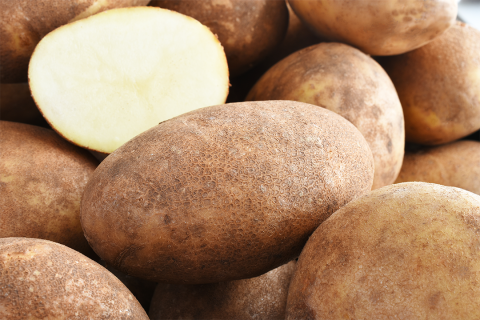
<point>24,22</point>
<point>102,80</point>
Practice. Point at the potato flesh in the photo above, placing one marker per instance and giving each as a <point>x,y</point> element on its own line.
<point>99,89</point>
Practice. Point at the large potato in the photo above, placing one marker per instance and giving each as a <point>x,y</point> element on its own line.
<point>248,30</point>
<point>405,251</point>
<point>40,279</point>
<point>348,82</point>
<point>380,27</point>
<point>24,22</point>
<point>263,297</point>
<point>42,178</point>
<point>225,192</point>
<point>439,86</point>
<point>456,164</point>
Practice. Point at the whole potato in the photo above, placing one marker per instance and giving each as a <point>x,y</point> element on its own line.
<point>346,81</point>
<point>42,178</point>
<point>225,192</point>
<point>379,27</point>
<point>40,279</point>
<point>439,86</point>
<point>456,164</point>
<point>23,23</point>
<point>405,251</point>
<point>248,30</point>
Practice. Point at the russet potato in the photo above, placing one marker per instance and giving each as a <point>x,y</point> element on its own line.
<point>223,193</point>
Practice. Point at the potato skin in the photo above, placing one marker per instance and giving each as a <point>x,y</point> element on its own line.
<point>381,27</point>
<point>456,164</point>
<point>40,279</point>
<point>262,297</point>
<point>248,30</point>
<point>223,193</point>
<point>439,86</point>
<point>346,81</point>
<point>405,251</point>
<point>42,178</point>
<point>23,23</point>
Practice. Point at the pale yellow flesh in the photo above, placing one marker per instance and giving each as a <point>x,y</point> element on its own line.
<point>105,79</point>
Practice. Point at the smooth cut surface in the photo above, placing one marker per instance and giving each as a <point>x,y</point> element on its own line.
<point>102,80</point>
<point>225,192</point>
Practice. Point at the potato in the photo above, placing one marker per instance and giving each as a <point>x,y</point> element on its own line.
<point>40,279</point>
<point>385,27</point>
<point>405,251</point>
<point>24,22</point>
<point>42,178</point>
<point>456,164</point>
<point>348,82</point>
<point>248,30</point>
<point>225,192</point>
<point>263,297</point>
<point>102,80</point>
<point>439,86</point>
<point>17,105</point>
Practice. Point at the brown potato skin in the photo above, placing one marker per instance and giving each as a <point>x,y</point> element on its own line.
<point>381,27</point>
<point>263,297</point>
<point>248,30</point>
<point>346,81</point>
<point>23,23</point>
<point>439,86</point>
<point>405,251</point>
<point>42,179</point>
<point>40,279</point>
<point>456,164</point>
<point>17,105</point>
<point>225,192</point>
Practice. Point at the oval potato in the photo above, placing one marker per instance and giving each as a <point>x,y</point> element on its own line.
<point>223,193</point>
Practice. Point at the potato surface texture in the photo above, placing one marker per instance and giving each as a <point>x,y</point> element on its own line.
<point>40,279</point>
<point>225,192</point>
<point>102,80</point>
<point>404,251</point>
<point>380,27</point>
<point>23,23</point>
<point>439,86</point>
<point>42,178</point>
<point>346,81</point>
<point>263,297</point>
<point>455,164</point>
<point>248,30</point>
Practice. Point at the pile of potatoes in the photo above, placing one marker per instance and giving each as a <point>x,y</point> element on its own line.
<point>239,159</point>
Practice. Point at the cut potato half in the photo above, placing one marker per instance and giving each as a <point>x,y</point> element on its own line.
<point>105,79</point>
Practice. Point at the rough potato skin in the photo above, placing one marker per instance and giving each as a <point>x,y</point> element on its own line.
<point>405,251</point>
<point>40,279</point>
<point>439,86</point>
<point>346,81</point>
<point>263,297</point>
<point>248,30</point>
<point>225,192</point>
<point>379,27</point>
<point>42,178</point>
<point>23,23</point>
<point>456,164</point>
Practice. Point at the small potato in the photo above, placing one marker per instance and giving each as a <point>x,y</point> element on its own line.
<point>439,86</point>
<point>405,251</point>
<point>248,30</point>
<point>23,23</point>
<point>225,192</point>
<point>348,82</point>
<point>456,164</point>
<point>381,27</point>
<point>42,178</point>
<point>40,279</point>
<point>263,297</point>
